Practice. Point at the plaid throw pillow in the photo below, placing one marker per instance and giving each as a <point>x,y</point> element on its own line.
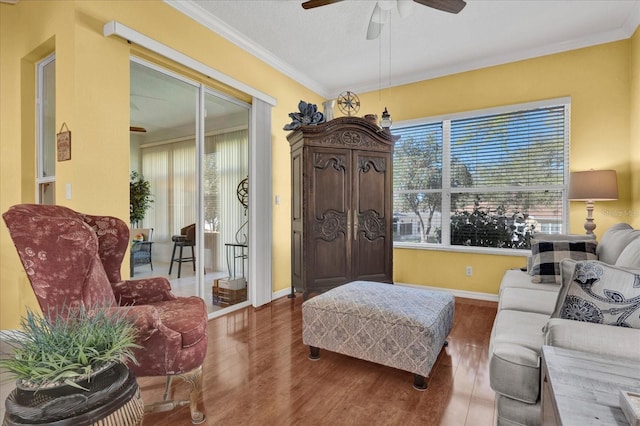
<point>546,257</point>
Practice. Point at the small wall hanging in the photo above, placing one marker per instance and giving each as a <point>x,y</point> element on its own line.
<point>63,141</point>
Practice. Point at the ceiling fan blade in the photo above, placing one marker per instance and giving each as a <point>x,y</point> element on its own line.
<point>310,4</point>
<point>375,23</point>
<point>405,7</point>
<point>137,129</point>
<point>451,6</point>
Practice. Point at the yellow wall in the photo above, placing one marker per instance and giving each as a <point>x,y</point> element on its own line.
<point>598,81</point>
<point>92,82</point>
<point>634,145</point>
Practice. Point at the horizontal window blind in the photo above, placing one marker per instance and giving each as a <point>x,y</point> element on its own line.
<point>513,149</point>
<point>483,180</point>
<point>417,162</point>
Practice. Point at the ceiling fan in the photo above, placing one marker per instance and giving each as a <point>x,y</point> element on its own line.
<point>382,8</point>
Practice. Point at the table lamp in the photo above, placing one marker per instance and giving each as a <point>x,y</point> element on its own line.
<point>590,186</point>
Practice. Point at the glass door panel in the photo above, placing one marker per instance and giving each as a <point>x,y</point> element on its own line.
<point>163,151</point>
<point>225,177</point>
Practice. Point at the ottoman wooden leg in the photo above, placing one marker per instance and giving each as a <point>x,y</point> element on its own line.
<point>419,382</point>
<point>314,353</point>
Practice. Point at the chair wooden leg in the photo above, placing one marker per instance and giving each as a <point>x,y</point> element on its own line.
<point>173,256</point>
<point>180,262</point>
<point>194,378</point>
<point>167,386</point>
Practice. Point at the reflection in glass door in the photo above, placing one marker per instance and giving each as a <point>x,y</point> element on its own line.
<point>225,205</point>
<point>196,178</point>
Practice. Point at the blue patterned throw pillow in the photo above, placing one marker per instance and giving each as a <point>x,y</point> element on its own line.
<point>602,294</point>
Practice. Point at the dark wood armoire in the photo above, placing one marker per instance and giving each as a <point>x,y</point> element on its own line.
<point>341,213</point>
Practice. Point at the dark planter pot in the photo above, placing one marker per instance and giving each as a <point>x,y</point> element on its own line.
<point>112,393</point>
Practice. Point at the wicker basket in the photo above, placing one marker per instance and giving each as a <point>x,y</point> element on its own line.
<point>113,399</point>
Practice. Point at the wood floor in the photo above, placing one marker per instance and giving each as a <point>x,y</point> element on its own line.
<point>257,373</point>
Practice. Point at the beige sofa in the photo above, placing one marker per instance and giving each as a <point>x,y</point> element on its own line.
<point>528,314</point>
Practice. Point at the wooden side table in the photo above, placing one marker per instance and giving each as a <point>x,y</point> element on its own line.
<point>580,388</point>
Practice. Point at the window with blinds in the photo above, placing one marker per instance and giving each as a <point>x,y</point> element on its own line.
<point>487,179</point>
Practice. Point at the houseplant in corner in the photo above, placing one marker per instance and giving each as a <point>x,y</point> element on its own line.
<point>139,198</point>
<point>71,370</point>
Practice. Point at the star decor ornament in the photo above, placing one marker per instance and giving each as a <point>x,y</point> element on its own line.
<point>308,115</point>
<point>348,103</point>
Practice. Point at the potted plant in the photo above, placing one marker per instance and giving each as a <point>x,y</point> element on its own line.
<point>140,198</point>
<point>71,367</point>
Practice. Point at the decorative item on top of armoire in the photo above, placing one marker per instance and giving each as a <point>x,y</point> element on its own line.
<point>341,205</point>
<point>308,116</point>
<point>328,109</point>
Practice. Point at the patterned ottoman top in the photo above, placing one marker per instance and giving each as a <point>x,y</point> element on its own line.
<point>386,302</point>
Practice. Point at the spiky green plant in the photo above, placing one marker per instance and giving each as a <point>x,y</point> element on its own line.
<point>70,347</point>
<point>140,198</point>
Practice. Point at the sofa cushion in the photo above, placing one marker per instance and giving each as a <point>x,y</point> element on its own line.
<point>599,293</point>
<point>516,278</point>
<point>630,256</point>
<point>614,241</point>
<point>546,257</point>
<point>514,354</point>
<point>528,300</point>
<point>619,342</point>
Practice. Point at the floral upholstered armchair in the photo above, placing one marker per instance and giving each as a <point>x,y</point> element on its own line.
<point>74,259</point>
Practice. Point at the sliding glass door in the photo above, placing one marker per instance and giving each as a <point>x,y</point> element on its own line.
<point>226,201</point>
<point>191,144</point>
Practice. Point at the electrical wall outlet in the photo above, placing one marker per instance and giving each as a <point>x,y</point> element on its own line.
<point>468,271</point>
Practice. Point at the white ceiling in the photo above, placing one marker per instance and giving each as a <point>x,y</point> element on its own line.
<point>325,48</point>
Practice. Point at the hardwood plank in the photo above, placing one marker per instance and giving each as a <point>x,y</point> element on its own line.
<point>257,373</point>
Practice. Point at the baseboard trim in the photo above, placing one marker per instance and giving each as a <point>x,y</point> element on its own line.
<point>458,293</point>
<point>281,293</point>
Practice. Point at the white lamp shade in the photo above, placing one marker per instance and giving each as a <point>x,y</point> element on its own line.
<point>593,185</point>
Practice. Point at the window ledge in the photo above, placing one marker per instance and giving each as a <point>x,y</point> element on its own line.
<point>463,249</point>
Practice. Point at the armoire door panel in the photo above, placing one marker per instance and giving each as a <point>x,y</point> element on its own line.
<point>296,192</point>
<point>372,252</point>
<point>329,183</point>
<point>329,260</point>
<point>371,183</point>
<point>372,260</point>
<point>296,261</point>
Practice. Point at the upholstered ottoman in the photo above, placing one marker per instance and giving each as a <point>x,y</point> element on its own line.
<point>400,327</point>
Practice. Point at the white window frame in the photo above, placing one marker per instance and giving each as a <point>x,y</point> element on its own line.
<point>42,179</point>
<point>445,121</point>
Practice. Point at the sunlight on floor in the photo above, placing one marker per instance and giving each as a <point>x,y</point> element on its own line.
<point>186,284</point>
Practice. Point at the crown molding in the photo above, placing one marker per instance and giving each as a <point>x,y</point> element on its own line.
<point>203,17</point>
<point>200,15</point>
<point>622,33</point>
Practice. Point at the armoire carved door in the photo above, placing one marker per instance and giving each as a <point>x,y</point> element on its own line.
<point>341,204</point>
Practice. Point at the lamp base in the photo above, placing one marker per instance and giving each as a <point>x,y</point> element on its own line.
<point>589,225</point>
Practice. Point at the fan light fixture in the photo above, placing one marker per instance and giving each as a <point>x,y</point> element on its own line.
<point>590,186</point>
<point>382,9</point>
